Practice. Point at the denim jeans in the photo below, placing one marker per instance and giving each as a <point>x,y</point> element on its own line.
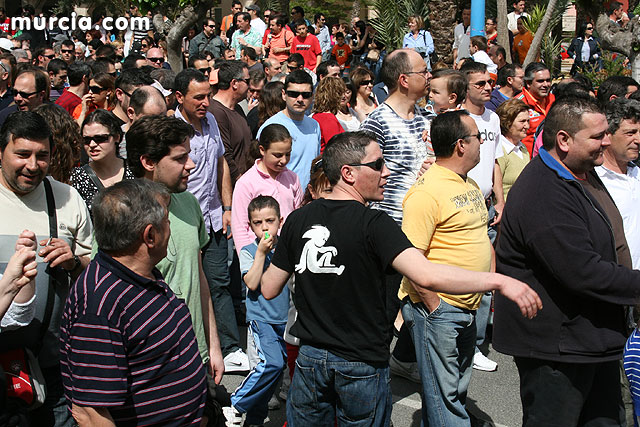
<point>326,387</point>
<point>482,319</point>
<point>444,341</point>
<point>214,263</point>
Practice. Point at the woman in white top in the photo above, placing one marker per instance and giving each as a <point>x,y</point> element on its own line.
<point>346,116</point>
<point>17,287</point>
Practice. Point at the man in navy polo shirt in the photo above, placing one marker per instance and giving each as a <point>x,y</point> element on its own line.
<point>129,355</point>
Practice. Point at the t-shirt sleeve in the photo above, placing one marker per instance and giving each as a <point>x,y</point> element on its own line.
<point>246,260</point>
<point>419,219</point>
<point>386,238</point>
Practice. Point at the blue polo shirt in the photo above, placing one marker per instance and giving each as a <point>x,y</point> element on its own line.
<point>127,344</point>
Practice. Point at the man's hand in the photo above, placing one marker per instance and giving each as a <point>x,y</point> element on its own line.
<point>499,207</point>
<point>226,224</point>
<point>527,299</point>
<point>216,364</point>
<point>57,252</point>
<point>253,103</point>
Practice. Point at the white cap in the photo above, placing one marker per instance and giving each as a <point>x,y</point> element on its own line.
<point>158,86</point>
<point>6,44</point>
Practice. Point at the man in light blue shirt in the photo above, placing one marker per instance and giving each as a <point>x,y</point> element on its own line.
<point>305,132</point>
<point>322,33</point>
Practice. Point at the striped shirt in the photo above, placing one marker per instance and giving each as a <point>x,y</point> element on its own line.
<point>404,148</point>
<point>631,362</point>
<point>127,344</point>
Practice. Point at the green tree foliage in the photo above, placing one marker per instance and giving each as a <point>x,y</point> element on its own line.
<point>391,21</point>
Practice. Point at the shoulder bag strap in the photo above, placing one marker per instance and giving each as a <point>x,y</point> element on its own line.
<point>53,232</point>
<point>93,177</point>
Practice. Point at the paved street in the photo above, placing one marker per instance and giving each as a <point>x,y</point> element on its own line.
<point>493,397</point>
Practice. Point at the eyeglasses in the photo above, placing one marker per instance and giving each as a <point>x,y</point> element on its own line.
<point>476,135</point>
<point>376,165</point>
<point>210,26</point>
<point>589,28</point>
<point>482,83</point>
<point>423,72</point>
<point>96,89</point>
<point>67,51</point>
<point>257,91</point>
<point>155,59</point>
<point>50,56</point>
<point>206,70</point>
<point>295,94</point>
<point>25,95</point>
<point>366,82</point>
<point>99,139</point>
<point>126,93</point>
<point>145,45</point>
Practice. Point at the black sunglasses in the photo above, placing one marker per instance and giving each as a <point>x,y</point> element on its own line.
<point>25,95</point>
<point>67,51</point>
<point>50,56</point>
<point>96,89</point>
<point>295,94</point>
<point>247,80</point>
<point>99,139</point>
<point>155,59</point>
<point>376,165</point>
<point>204,70</point>
<point>366,82</point>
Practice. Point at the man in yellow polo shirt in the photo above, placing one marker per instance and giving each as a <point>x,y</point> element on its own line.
<point>445,216</point>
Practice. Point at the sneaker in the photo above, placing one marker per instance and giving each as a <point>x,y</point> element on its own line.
<point>483,363</point>
<point>284,388</point>
<point>274,403</point>
<point>408,370</point>
<point>236,362</point>
<point>233,417</point>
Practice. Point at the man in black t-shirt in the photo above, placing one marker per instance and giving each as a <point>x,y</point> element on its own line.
<point>340,250</point>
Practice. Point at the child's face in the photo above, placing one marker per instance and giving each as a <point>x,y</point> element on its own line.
<point>277,156</point>
<point>340,40</point>
<point>264,220</point>
<point>439,95</point>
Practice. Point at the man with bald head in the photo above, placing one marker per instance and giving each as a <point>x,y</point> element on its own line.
<point>155,57</point>
<point>271,67</point>
<point>145,101</point>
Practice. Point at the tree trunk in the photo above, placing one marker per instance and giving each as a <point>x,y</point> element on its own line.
<point>542,29</point>
<point>620,40</point>
<point>503,31</point>
<point>355,9</point>
<point>443,20</point>
<point>187,18</point>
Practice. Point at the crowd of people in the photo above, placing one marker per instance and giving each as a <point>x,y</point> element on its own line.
<point>326,193</point>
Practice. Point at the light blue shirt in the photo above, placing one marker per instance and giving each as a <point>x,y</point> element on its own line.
<point>423,44</point>
<point>206,149</point>
<point>325,39</point>
<point>305,136</point>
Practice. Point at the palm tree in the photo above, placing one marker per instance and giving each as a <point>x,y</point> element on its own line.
<point>443,20</point>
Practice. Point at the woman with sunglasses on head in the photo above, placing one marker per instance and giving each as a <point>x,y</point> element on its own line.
<point>100,96</point>
<point>362,100</point>
<point>585,50</point>
<point>101,135</point>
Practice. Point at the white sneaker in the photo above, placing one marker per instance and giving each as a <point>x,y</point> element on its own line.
<point>284,388</point>
<point>236,362</point>
<point>274,403</point>
<point>233,417</point>
<point>408,370</point>
<point>483,363</point>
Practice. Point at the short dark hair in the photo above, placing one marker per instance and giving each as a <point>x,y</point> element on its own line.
<point>185,77</point>
<point>235,3</point>
<point>299,22</point>
<point>194,58</point>
<point>472,67</point>
<point>505,72</point>
<point>570,90</point>
<point>480,42</point>
<point>298,77</point>
<point>393,66</point>
<point>154,136</point>
<point>257,76</point>
<point>456,82</point>
<point>106,119</point>
<point>68,43</point>
<point>244,15</point>
<point>323,67</point>
<point>613,6</point>
<point>250,52</point>
<point>317,17</point>
<point>446,129</point>
<point>614,85</point>
<point>56,65</point>
<point>132,78</point>
<point>101,65</point>
<point>263,202</point>
<point>532,69</point>
<point>343,149</point>
<point>131,59</point>
<point>297,58</point>
<point>280,20</point>
<point>77,70</point>
<point>297,9</point>
<point>24,124</point>
<point>619,109</point>
<point>106,51</point>
<point>566,115</point>
<point>229,71</point>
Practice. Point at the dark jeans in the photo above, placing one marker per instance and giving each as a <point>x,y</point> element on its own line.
<point>570,394</point>
<point>216,269</point>
<point>327,388</point>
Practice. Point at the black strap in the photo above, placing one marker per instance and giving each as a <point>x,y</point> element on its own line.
<point>93,177</point>
<point>53,233</point>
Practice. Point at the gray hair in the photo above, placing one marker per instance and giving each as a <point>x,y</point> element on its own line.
<point>122,211</point>
<point>566,115</point>
<point>532,69</point>
<point>619,109</point>
<point>343,149</point>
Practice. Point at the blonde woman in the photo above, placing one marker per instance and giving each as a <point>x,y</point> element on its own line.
<point>326,104</point>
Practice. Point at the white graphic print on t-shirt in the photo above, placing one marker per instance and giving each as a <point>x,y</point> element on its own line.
<point>316,257</point>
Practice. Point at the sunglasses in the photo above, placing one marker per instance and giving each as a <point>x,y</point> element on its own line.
<point>96,89</point>
<point>99,139</point>
<point>376,165</point>
<point>589,28</point>
<point>204,70</point>
<point>50,56</point>
<point>366,82</point>
<point>155,59</point>
<point>25,95</point>
<point>247,80</point>
<point>210,26</point>
<point>67,51</point>
<point>145,45</point>
<point>482,83</point>
<point>295,94</point>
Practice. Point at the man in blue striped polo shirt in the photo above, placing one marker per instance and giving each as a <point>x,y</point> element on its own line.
<point>128,352</point>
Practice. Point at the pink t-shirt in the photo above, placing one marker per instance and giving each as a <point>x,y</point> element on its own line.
<point>285,189</point>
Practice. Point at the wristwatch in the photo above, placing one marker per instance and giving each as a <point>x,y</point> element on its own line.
<point>226,208</point>
<point>76,263</point>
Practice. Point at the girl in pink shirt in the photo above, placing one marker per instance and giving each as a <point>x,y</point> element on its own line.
<point>269,176</point>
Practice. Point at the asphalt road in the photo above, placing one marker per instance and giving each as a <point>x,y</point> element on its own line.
<point>493,397</point>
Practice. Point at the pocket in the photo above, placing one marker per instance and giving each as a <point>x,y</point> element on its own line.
<point>303,393</point>
<point>358,391</point>
<point>436,311</point>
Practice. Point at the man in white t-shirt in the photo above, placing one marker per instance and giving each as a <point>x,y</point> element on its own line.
<point>512,18</point>
<point>461,37</point>
<point>618,173</point>
<point>487,175</point>
<point>256,23</point>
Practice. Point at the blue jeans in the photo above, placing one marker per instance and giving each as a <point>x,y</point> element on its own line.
<point>326,386</point>
<point>482,319</point>
<point>444,341</point>
<point>214,263</point>
<point>252,396</point>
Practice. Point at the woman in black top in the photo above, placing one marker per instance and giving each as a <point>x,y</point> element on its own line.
<point>101,136</point>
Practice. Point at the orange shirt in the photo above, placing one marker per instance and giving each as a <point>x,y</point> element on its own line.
<point>227,22</point>
<point>282,40</point>
<point>341,53</point>
<point>537,113</point>
<point>521,44</point>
